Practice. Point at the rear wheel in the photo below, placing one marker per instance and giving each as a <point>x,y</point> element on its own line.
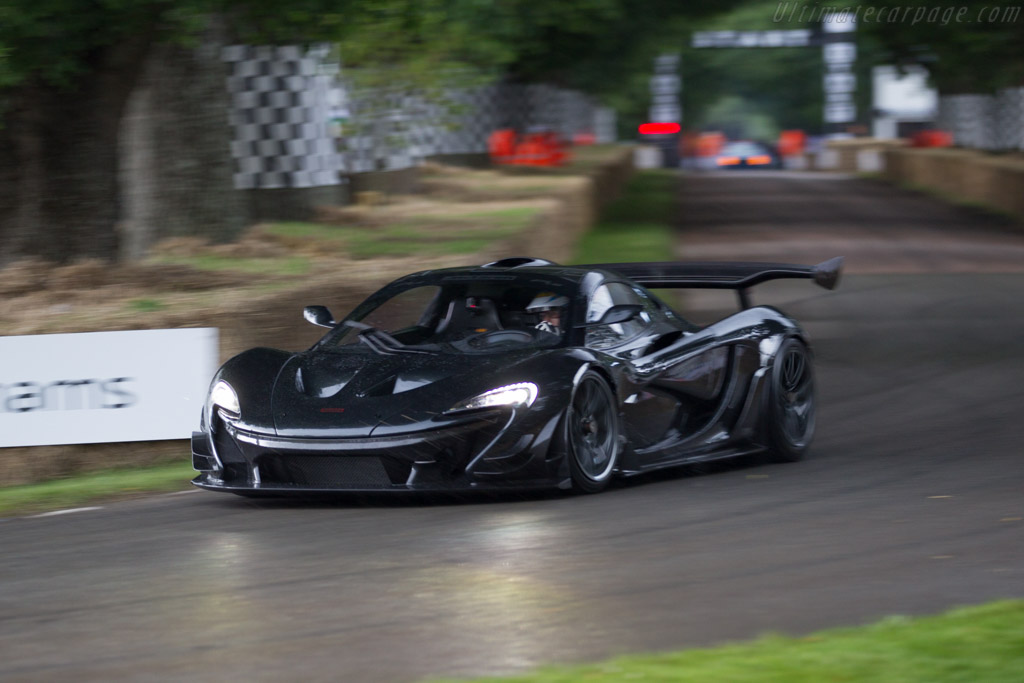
<point>592,434</point>
<point>791,402</point>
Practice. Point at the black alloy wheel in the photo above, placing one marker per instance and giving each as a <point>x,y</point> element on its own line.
<point>792,402</point>
<point>592,428</point>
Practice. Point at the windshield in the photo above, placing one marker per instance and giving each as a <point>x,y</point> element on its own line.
<point>458,314</point>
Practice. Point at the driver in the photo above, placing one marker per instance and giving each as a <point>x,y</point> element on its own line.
<point>549,306</point>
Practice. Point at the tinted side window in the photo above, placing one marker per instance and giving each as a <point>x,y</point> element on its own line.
<point>604,297</point>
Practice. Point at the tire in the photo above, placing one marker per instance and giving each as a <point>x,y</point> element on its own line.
<point>591,433</point>
<point>791,402</point>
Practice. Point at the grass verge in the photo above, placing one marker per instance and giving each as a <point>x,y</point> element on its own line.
<point>89,488</point>
<point>984,643</point>
<point>638,225</point>
<point>462,233</point>
<point>289,265</point>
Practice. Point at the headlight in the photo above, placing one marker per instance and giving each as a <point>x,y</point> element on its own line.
<point>515,395</point>
<point>224,397</point>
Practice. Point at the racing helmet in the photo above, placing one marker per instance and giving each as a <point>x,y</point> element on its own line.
<point>545,301</point>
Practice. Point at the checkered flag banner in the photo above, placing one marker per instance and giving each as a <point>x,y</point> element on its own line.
<point>298,122</point>
<point>1010,119</point>
<point>393,131</point>
<point>990,122</point>
<point>280,114</point>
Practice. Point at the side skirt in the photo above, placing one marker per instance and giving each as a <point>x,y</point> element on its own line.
<point>692,459</point>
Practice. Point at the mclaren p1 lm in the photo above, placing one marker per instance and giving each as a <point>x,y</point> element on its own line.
<point>518,373</point>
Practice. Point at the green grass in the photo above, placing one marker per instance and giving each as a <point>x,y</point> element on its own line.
<point>967,645</point>
<point>638,225</point>
<point>314,231</point>
<point>88,488</point>
<point>512,217</point>
<point>146,305</point>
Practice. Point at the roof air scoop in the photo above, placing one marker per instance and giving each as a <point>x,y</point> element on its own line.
<point>518,262</point>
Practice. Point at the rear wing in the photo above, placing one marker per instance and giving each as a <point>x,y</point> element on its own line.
<point>736,275</point>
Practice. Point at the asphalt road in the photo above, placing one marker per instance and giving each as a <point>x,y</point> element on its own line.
<point>910,504</point>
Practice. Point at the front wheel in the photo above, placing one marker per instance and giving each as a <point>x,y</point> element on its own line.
<point>791,400</point>
<point>592,434</point>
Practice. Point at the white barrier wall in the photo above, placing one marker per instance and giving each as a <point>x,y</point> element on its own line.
<point>99,387</point>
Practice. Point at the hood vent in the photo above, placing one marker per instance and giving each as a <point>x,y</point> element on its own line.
<point>397,384</point>
<point>307,383</point>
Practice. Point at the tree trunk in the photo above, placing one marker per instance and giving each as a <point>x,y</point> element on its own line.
<point>59,196</point>
<point>177,169</point>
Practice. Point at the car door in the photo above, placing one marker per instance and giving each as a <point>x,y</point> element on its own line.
<point>676,375</point>
<point>648,414</point>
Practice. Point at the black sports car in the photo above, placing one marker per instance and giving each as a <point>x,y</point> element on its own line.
<point>518,373</point>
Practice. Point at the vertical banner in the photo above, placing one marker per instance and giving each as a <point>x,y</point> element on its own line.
<point>839,52</point>
<point>665,108</point>
<point>100,387</point>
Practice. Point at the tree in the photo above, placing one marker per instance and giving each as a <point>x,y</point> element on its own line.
<point>66,74</point>
<point>967,47</point>
<point>753,92</point>
<point>67,69</point>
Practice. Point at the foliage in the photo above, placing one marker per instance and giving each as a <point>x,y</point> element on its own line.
<point>595,45</point>
<point>745,91</point>
<point>603,47</point>
<point>54,40</point>
<point>637,225</point>
<point>983,643</point>
<point>968,47</point>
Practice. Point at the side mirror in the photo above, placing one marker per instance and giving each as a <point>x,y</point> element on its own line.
<point>319,315</point>
<point>620,313</point>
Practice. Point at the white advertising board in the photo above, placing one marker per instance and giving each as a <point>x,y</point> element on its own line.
<point>100,387</point>
<point>904,93</point>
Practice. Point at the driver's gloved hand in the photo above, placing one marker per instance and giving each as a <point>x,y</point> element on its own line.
<point>545,326</point>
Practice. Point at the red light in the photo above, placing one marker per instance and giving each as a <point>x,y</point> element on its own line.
<point>658,128</point>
